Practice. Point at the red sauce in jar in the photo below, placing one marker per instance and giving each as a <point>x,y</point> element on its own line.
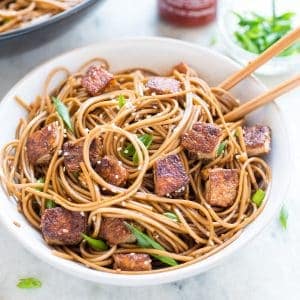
<point>188,12</point>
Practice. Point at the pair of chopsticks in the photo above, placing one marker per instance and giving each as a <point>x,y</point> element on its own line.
<point>270,95</point>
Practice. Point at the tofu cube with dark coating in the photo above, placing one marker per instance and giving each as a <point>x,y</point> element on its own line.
<point>42,143</point>
<point>62,227</point>
<point>163,85</point>
<point>115,231</point>
<point>222,187</point>
<point>96,79</point>
<point>73,153</point>
<point>203,140</point>
<point>257,139</point>
<point>112,170</point>
<point>132,262</point>
<point>169,175</point>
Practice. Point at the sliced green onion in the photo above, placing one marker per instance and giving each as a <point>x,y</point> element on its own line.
<point>130,152</point>
<point>256,33</point>
<point>50,204</point>
<point>144,241</point>
<point>221,148</point>
<point>29,283</point>
<point>96,244</point>
<point>63,112</point>
<point>283,217</point>
<point>40,180</point>
<point>172,216</point>
<point>121,101</point>
<point>213,41</point>
<point>258,197</point>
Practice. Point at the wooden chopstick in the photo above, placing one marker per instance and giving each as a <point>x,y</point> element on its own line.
<point>275,49</point>
<point>261,100</point>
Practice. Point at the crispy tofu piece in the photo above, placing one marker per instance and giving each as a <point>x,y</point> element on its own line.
<point>112,170</point>
<point>163,85</point>
<point>115,231</point>
<point>257,139</point>
<point>73,153</point>
<point>42,143</point>
<point>203,140</point>
<point>222,187</point>
<point>62,227</point>
<point>132,262</point>
<point>169,175</point>
<point>96,79</point>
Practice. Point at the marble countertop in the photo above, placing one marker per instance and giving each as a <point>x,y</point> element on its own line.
<point>267,268</point>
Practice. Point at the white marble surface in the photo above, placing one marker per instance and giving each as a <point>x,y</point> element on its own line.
<point>267,268</point>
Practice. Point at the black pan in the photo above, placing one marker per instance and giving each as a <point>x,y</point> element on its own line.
<point>54,19</point>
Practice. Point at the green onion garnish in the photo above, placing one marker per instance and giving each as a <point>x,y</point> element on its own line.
<point>29,283</point>
<point>144,241</point>
<point>130,152</point>
<point>221,148</point>
<point>96,244</point>
<point>172,216</point>
<point>256,33</point>
<point>283,217</point>
<point>258,197</point>
<point>50,204</point>
<point>63,112</point>
<point>121,101</point>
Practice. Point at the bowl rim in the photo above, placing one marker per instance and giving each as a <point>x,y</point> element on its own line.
<point>53,19</point>
<point>155,278</point>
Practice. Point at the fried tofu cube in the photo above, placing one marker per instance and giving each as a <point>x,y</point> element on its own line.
<point>203,140</point>
<point>222,187</point>
<point>73,153</point>
<point>115,231</point>
<point>96,79</point>
<point>163,85</point>
<point>62,227</point>
<point>169,175</point>
<point>257,139</point>
<point>112,170</point>
<point>42,143</point>
<point>132,262</point>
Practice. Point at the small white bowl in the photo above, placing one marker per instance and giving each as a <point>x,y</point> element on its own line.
<point>160,55</point>
<point>228,24</point>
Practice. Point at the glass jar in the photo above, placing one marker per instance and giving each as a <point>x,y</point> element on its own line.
<point>188,12</point>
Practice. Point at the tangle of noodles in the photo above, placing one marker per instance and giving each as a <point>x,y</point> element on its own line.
<point>201,229</point>
<point>16,14</point>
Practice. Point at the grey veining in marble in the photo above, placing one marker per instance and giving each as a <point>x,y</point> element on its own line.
<point>267,268</point>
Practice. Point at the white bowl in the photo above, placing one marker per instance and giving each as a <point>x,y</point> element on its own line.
<point>160,55</point>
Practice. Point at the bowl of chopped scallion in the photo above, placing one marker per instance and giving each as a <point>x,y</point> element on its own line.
<point>248,28</point>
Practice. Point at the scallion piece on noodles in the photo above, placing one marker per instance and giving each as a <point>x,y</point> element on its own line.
<point>258,197</point>
<point>221,148</point>
<point>130,152</point>
<point>121,101</point>
<point>96,244</point>
<point>145,241</point>
<point>172,216</point>
<point>63,112</point>
<point>49,203</point>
